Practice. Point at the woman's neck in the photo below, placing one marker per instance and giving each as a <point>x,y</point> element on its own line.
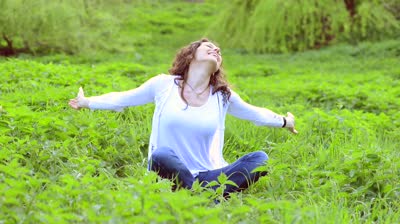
<point>199,75</point>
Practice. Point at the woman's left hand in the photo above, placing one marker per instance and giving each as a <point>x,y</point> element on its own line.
<point>290,123</point>
<point>80,101</point>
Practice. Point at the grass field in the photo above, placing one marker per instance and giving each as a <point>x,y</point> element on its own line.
<point>58,165</point>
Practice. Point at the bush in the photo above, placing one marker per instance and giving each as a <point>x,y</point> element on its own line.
<point>57,26</point>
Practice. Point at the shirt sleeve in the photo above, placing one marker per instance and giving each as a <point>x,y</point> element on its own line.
<point>119,100</point>
<point>259,116</point>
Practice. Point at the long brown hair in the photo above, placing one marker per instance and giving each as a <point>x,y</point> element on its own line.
<point>180,67</point>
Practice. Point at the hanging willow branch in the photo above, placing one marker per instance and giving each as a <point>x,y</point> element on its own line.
<point>295,25</point>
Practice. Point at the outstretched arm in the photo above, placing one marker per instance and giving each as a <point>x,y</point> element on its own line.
<point>259,116</point>
<point>117,100</point>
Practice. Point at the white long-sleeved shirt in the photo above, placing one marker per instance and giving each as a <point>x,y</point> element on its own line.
<point>208,135</point>
<point>189,131</point>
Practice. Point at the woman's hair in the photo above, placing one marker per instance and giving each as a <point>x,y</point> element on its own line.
<point>180,67</point>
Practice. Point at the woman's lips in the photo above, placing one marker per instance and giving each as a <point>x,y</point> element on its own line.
<point>216,56</point>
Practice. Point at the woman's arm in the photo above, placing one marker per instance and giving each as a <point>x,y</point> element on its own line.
<point>259,116</point>
<point>117,100</point>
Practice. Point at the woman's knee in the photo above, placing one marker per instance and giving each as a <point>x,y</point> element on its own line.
<point>261,155</point>
<point>162,154</point>
<point>258,157</point>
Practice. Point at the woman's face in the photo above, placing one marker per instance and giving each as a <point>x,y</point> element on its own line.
<point>207,51</point>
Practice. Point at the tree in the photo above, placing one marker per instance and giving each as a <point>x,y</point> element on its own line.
<point>292,25</point>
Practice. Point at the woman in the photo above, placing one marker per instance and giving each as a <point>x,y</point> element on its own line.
<point>188,123</point>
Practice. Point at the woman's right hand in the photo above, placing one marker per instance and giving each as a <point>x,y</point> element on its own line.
<point>290,123</point>
<point>80,101</point>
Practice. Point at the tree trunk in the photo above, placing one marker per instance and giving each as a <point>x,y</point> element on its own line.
<point>7,50</point>
<point>351,7</point>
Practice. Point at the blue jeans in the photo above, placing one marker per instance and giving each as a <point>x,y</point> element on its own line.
<point>166,163</point>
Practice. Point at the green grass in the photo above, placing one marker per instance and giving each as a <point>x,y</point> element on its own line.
<point>61,165</point>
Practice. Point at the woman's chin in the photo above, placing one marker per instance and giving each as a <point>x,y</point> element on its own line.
<point>211,63</point>
<point>214,63</point>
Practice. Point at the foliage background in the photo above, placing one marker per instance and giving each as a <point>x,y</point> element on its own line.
<point>61,165</point>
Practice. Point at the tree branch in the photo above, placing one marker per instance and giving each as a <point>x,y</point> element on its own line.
<point>8,40</point>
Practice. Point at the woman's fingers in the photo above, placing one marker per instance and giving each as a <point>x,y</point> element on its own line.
<point>294,131</point>
<point>80,92</point>
<point>82,101</point>
<point>73,103</point>
<point>291,127</point>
